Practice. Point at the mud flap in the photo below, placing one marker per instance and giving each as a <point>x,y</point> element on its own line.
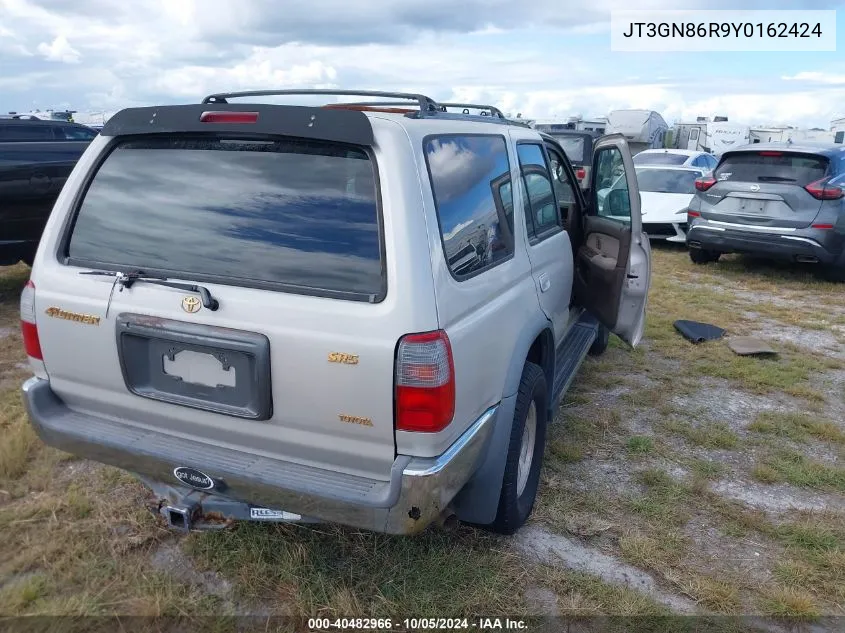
<point>478,500</point>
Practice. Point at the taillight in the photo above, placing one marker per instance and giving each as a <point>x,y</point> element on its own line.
<point>822,226</point>
<point>822,191</point>
<point>769,153</point>
<point>29,330</point>
<point>704,183</point>
<point>425,382</point>
<point>226,116</point>
<point>693,214</point>
<point>580,173</point>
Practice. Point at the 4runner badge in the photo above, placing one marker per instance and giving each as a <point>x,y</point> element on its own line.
<point>58,313</point>
<point>191,304</point>
<point>193,477</point>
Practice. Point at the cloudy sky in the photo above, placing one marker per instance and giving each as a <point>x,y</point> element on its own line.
<point>547,58</point>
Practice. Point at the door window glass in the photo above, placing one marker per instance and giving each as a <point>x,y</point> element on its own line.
<point>611,197</point>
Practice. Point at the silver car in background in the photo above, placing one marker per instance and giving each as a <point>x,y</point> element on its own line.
<point>778,200</point>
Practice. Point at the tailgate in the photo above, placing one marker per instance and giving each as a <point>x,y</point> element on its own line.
<point>297,363</point>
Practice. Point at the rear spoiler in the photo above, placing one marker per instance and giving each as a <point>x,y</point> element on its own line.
<point>341,126</point>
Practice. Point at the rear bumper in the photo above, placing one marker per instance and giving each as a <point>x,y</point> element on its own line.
<point>419,489</point>
<point>806,245</point>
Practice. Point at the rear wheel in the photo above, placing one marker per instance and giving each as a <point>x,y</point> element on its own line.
<point>703,256</point>
<point>525,452</point>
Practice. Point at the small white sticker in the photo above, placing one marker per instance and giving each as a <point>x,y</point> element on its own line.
<point>267,513</point>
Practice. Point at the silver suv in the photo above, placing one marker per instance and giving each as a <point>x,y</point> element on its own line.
<point>779,200</point>
<point>356,313</point>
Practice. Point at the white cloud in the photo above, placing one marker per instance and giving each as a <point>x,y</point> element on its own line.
<point>159,51</point>
<point>458,228</point>
<point>816,77</point>
<point>59,50</point>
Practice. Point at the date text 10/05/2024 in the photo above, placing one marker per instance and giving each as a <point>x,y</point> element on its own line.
<point>416,624</point>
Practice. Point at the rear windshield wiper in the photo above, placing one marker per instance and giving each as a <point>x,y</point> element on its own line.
<point>126,280</point>
<point>775,179</point>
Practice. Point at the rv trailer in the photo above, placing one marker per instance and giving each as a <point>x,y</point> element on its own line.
<point>722,136</point>
<point>643,129</point>
<point>714,136</point>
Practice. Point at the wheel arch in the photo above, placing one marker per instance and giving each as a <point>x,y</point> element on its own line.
<point>478,500</point>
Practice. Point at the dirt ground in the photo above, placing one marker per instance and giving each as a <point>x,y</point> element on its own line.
<point>679,479</point>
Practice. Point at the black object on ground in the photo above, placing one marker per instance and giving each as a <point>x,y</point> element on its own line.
<point>698,332</point>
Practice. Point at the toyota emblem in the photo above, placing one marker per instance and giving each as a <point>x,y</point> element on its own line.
<point>191,304</point>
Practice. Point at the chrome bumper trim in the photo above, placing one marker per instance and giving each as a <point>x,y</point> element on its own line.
<point>751,227</point>
<point>801,239</point>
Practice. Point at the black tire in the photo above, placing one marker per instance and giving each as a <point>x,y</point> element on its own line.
<point>515,508</point>
<point>835,274</point>
<point>703,256</point>
<point>599,346</point>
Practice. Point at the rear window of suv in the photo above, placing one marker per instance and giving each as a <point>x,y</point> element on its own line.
<point>665,158</point>
<point>297,216</point>
<point>772,166</point>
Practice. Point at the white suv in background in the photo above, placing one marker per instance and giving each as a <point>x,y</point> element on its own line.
<point>676,157</point>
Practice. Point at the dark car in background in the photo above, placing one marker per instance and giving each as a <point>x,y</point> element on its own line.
<point>778,200</point>
<point>577,145</point>
<point>36,158</point>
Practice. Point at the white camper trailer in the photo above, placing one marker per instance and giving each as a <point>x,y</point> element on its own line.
<point>787,134</point>
<point>714,136</point>
<point>770,134</point>
<point>813,135</point>
<point>643,129</point>
<point>690,135</point>
<point>722,136</point>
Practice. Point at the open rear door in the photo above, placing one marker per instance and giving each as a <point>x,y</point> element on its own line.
<point>613,263</point>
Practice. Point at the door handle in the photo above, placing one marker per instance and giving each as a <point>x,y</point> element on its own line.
<point>545,282</point>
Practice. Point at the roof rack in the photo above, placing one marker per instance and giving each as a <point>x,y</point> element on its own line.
<point>427,107</point>
<point>494,111</point>
<point>426,104</point>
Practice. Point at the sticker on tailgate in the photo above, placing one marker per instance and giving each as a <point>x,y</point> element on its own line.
<point>268,514</point>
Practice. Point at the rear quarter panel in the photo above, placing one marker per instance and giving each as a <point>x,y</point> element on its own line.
<point>482,315</point>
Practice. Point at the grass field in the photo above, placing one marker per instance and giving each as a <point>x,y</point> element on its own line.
<point>679,478</point>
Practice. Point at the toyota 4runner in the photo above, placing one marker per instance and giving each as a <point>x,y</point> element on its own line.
<point>363,313</point>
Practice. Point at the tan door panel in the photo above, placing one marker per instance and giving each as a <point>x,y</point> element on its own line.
<point>605,245</point>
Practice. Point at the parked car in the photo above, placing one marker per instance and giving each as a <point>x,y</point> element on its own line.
<point>36,158</point>
<point>665,195</point>
<point>577,145</point>
<point>778,200</point>
<point>282,313</point>
<point>677,157</point>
